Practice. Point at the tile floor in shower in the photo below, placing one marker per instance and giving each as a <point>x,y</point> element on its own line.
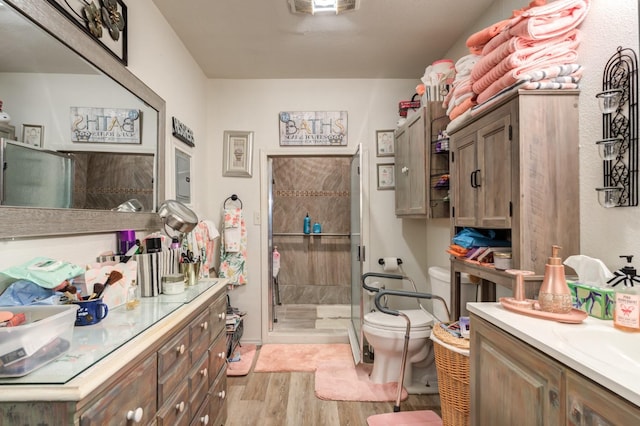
<point>312,317</point>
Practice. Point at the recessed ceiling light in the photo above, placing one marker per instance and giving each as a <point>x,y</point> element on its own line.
<point>313,7</point>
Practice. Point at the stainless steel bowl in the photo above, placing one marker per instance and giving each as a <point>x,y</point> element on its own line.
<point>177,216</point>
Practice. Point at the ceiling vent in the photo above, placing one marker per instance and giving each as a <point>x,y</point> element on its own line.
<point>313,7</point>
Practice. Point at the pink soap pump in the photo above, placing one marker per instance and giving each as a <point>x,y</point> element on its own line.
<point>555,295</point>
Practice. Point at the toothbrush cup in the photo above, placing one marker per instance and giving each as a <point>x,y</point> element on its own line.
<point>90,312</point>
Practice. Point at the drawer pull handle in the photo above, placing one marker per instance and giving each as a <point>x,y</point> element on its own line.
<point>180,349</point>
<point>204,372</point>
<point>180,407</point>
<point>204,420</point>
<point>222,394</point>
<point>405,170</point>
<point>204,325</point>
<point>222,315</point>
<point>135,415</point>
<point>221,355</point>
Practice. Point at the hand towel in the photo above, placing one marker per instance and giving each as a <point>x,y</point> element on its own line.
<point>233,248</point>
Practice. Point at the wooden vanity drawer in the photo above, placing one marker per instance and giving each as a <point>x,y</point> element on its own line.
<point>199,331</point>
<point>218,311</point>
<point>218,395</point>
<point>176,410</point>
<point>173,365</point>
<point>199,382</point>
<point>133,396</point>
<point>217,357</point>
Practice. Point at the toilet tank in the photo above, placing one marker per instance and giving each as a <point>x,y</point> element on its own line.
<point>441,286</point>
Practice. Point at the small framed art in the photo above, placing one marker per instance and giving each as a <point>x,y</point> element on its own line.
<point>33,134</point>
<point>386,176</point>
<point>238,148</point>
<point>384,143</point>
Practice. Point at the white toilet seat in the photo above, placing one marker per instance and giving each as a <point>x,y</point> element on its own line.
<point>420,320</point>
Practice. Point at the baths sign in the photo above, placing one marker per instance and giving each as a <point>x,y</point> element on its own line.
<point>105,125</point>
<point>313,128</point>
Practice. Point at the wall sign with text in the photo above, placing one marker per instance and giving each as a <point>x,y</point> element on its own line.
<point>182,132</point>
<point>319,128</point>
<point>105,125</point>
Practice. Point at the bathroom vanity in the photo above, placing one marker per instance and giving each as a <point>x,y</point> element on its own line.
<point>163,363</point>
<point>529,371</point>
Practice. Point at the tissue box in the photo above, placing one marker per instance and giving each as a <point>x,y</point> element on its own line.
<point>595,301</point>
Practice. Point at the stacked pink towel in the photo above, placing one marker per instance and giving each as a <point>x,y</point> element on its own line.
<point>541,38</point>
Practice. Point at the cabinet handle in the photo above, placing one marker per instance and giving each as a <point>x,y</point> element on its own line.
<point>222,394</point>
<point>405,170</point>
<point>135,415</point>
<point>180,407</point>
<point>204,372</point>
<point>204,420</point>
<point>475,178</point>
<point>553,398</point>
<point>471,175</point>
<point>180,349</point>
<point>222,315</point>
<point>204,326</point>
<point>221,355</point>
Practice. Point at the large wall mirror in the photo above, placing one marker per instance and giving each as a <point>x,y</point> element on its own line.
<point>49,71</point>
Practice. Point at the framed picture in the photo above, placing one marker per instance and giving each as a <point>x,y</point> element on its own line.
<point>33,134</point>
<point>238,150</point>
<point>384,143</point>
<point>386,176</point>
<point>110,34</point>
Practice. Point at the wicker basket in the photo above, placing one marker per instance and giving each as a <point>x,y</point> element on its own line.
<point>452,364</point>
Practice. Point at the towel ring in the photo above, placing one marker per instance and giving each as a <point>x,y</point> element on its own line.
<point>233,197</point>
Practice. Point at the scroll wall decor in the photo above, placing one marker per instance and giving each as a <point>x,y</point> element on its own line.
<point>103,20</point>
<point>619,146</point>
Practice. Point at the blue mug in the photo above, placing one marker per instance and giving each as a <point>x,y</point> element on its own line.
<point>90,311</point>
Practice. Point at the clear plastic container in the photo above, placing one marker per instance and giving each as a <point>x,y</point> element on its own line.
<point>44,336</point>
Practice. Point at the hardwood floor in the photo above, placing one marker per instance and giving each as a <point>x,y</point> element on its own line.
<point>288,399</point>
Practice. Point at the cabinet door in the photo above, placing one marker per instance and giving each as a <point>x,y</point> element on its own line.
<point>494,176</point>
<point>417,167</point>
<point>590,404</point>
<point>511,384</point>
<point>402,155</point>
<point>463,171</point>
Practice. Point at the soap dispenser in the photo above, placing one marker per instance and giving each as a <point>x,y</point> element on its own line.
<point>554,295</point>
<point>306,227</point>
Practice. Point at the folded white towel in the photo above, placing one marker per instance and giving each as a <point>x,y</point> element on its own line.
<point>213,230</point>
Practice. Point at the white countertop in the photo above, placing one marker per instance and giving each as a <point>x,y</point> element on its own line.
<point>99,351</point>
<point>622,378</point>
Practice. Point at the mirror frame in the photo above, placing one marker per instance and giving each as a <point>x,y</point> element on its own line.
<point>28,222</point>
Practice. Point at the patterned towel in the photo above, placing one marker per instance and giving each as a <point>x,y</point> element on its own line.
<point>233,247</point>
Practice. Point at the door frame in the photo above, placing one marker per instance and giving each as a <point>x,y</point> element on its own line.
<point>268,336</point>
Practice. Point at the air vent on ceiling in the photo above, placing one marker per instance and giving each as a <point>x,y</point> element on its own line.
<point>314,6</point>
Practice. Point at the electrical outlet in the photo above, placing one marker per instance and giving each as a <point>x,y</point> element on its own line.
<point>256,218</point>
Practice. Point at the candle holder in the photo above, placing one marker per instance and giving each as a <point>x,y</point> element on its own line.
<point>609,100</point>
<point>609,148</point>
<point>609,196</point>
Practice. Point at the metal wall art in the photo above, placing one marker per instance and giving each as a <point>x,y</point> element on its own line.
<point>103,20</point>
<point>618,103</point>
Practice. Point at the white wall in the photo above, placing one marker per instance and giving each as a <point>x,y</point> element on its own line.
<point>253,105</point>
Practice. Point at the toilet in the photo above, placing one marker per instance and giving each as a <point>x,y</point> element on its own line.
<point>385,333</point>
<point>441,286</point>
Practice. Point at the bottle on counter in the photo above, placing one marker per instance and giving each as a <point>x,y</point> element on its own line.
<point>626,315</point>
<point>555,295</point>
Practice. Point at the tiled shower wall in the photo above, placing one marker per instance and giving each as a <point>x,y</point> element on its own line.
<point>314,269</point>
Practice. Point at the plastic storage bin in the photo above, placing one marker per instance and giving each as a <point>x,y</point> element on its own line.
<point>45,335</point>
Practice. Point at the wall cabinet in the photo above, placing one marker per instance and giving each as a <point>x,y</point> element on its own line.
<point>421,164</point>
<point>179,378</point>
<point>527,387</point>
<point>514,169</point>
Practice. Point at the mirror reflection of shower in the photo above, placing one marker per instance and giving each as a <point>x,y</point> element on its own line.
<point>312,289</point>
